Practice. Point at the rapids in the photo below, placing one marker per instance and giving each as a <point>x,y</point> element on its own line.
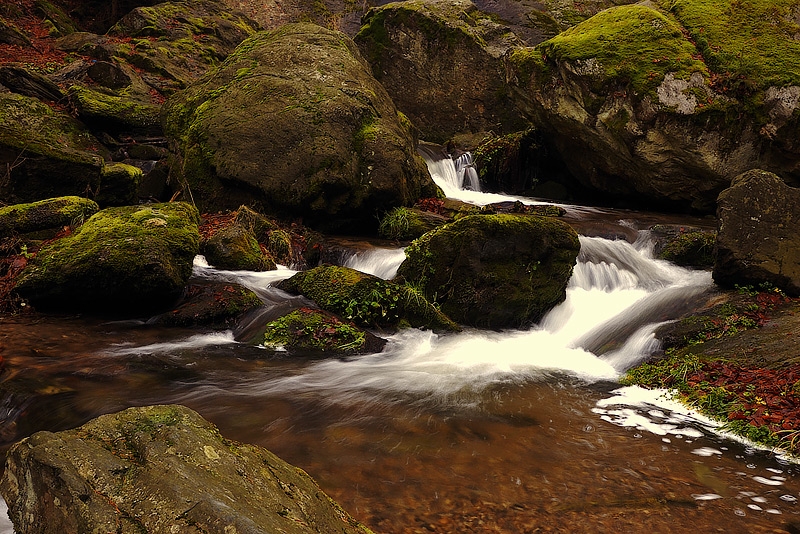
<point>481,431</point>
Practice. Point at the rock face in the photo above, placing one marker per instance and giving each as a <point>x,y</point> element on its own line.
<point>44,153</point>
<point>494,271</point>
<point>45,214</point>
<point>442,64</point>
<point>365,299</point>
<point>160,469</point>
<point>294,120</point>
<point>757,238</point>
<point>126,260</point>
<point>656,106</point>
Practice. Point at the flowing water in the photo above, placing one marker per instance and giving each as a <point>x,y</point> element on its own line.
<point>481,431</point>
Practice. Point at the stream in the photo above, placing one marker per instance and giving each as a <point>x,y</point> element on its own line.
<point>481,431</point>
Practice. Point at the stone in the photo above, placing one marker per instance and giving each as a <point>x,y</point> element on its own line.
<point>210,303</point>
<point>119,185</point>
<point>236,248</point>
<point>123,261</point>
<point>45,214</point>
<point>494,271</point>
<point>757,239</point>
<point>160,469</point>
<point>312,332</point>
<point>25,82</point>
<point>294,123</point>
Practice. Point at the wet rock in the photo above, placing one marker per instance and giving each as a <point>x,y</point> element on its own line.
<point>123,261</point>
<point>44,153</point>
<point>45,214</point>
<point>213,304</point>
<point>367,300</point>
<point>236,248</point>
<point>494,271</point>
<point>160,469</point>
<point>442,64</point>
<point>757,240</point>
<point>308,331</point>
<point>686,246</point>
<point>295,121</point>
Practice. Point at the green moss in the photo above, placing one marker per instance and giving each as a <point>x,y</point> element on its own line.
<point>401,223</point>
<point>315,330</point>
<point>632,45</point>
<point>50,213</point>
<point>691,249</point>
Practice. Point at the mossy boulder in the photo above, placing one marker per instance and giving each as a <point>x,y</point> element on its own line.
<point>209,303</point>
<point>44,153</point>
<point>309,331</point>
<point>115,113</point>
<point>650,97</point>
<point>160,469</point>
<point>236,247</point>
<point>494,271</point>
<point>294,120</point>
<point>406,224</point>
<point>119,185</point>
<point>126,260</point>
<point>365,299</point>
<point>757,239</point>
<point>45,214</point>
<point>686,246</point>
<point>442,64</point>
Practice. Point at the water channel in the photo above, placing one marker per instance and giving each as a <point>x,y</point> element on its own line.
<point>514,431</point>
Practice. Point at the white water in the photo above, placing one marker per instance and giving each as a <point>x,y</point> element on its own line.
<point>381,262</point>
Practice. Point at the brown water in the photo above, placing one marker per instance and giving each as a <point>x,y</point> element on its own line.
<point>518,455</point>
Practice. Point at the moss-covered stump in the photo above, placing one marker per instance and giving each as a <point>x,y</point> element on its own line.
<point>294,121</point>
<point>442,64</point>
<point>44,153</point>
<point>160,469</point>
<point>667,101</point>
<point>45,214</point>
<point>367,300</point>
<point>214,304</point>
<point>126,260</point>
<point>494,271</point>
<point>308,331</point>
<point>236,248</point>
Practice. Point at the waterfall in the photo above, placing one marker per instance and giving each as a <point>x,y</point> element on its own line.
<point>381,262</point>
<point>466,173</point>
<point>616,298</point>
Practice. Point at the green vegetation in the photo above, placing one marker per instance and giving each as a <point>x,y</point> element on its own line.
<point>691,249</point>
<point>314,330</point>
<point>749,44</point>
<point>401,223</point>
<point>44,214</point>
<point>633,45</point>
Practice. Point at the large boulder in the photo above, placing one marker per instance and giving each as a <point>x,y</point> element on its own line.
<point>366,299</point>
<point>757,238</point>
<point>45,214</point>
<point>294,120</point>
<point>665,109</point>
<point>160,469</point>
<point>494,271</point>
<point>442,64</point>
<point>44,153</point>
<point>126,260</point>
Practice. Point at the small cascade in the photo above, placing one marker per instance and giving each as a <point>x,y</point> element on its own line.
<point>381,262</point>
<point>465,170</point>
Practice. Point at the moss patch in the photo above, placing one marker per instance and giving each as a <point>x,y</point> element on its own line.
<point>45,214</point>
<point>316,330</point>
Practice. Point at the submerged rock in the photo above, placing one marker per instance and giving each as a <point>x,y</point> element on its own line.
<point>45,214</point>
<point>160,469</point>
<point>126,260</point>
<point>367,300</point>
<point>313,331</point>
<point>494,271</point>
<point>757,238</point>
<point>294,121</point>
<point>210,304</point>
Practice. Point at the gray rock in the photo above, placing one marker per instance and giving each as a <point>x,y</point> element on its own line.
<point>160,469</point>
<point>757,239</point>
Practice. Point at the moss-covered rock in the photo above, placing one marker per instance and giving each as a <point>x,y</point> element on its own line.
<point>307,330</point>
<point>494,271</point>
<point>160,469</point>
<point>45,214</point>
<point>236,248</point>
<point>295,121</point>
<point>406,224</point>
<point>215,304</point>
<point>367,300</point>
<point>126,260</point>
<point>44,153</point>
<point>115,113</point>
<point>690,247</point>
<point>442,64</point>
<point>119,185</point>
